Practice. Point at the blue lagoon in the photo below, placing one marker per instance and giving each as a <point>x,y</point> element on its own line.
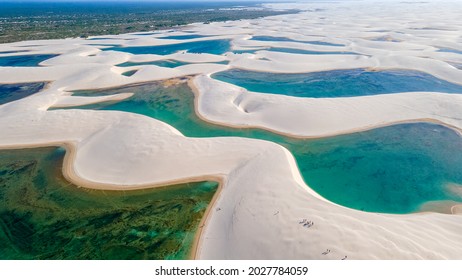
<point>12,92</point>
<point>24,60</point>
<point>209,46</point>
<point>337,83</point>
<point>393,169</point>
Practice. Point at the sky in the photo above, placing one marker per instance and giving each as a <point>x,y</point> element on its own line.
<point>144,1</point>
<point>140,1</point>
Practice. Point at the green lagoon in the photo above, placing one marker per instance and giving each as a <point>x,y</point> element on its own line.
<point>393,169</point>
<point>42,216</point>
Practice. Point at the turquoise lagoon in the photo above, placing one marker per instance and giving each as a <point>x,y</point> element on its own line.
<point>183,37</point>
<point>394,169</point>
<point>285,39</point>
<point>300,51</point>
<point>337,83</point>
<point>209,46</point>
<point>293,50</point>
<point>217,47</point>
<point>169,63</point>
<point>161,63</point>
<point>12,92</point>
<point>24,60</point>
<point>129,73</point>
<point>42,216</point>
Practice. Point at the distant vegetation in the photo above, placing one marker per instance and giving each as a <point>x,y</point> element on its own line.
<point>36,21</point>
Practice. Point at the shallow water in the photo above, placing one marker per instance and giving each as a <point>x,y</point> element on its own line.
<point>24,60</point>
<point>393,169</point>
<point>129,73</point>
<point>104,38</point>
<point>385,39</point>
<point>183,37</point>
<point>12,92</point>
<point>292,50</point>
<point>337,83</point>
<point>300,51</point>
<point>285,39</point>
<point>456,65</point>
<point>16,51</point>
<point>209,46</point>
<point>161,63</point>
<point>450,50</point>
<point>42,216</point>
<point>164,63</point>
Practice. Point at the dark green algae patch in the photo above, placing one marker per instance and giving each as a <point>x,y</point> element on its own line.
<point>42,216</point>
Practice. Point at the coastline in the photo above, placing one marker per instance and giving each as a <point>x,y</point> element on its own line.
<point>78,181</point>
<point>195,249</point>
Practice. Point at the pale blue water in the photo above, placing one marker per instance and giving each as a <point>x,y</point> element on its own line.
<point>249,50</point>
<point>338,83</point>
<point>450,50</point>
<point>299,51</point>
<point>12,92</point>
<point>291,50</point>
<point>161,63</point>
<point>385,39</point>
<point>183,37</point>
<point>284,39</point>
<point>164,63</point>
<point>24,60</point>
<point>147,33</point>
<point>102,38</point>
<point>457,65</point>
<point>210,46</point>
<point>8,52</point>
<point>104,45</point>
<point>390,170</point>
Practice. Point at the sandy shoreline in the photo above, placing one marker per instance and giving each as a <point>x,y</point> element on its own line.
<point>73,178</point>
<point>197,96</point>
<point>195,249</point>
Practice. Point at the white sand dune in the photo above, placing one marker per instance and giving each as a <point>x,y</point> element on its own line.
<point>227,104</point>
<point>263,197</point>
